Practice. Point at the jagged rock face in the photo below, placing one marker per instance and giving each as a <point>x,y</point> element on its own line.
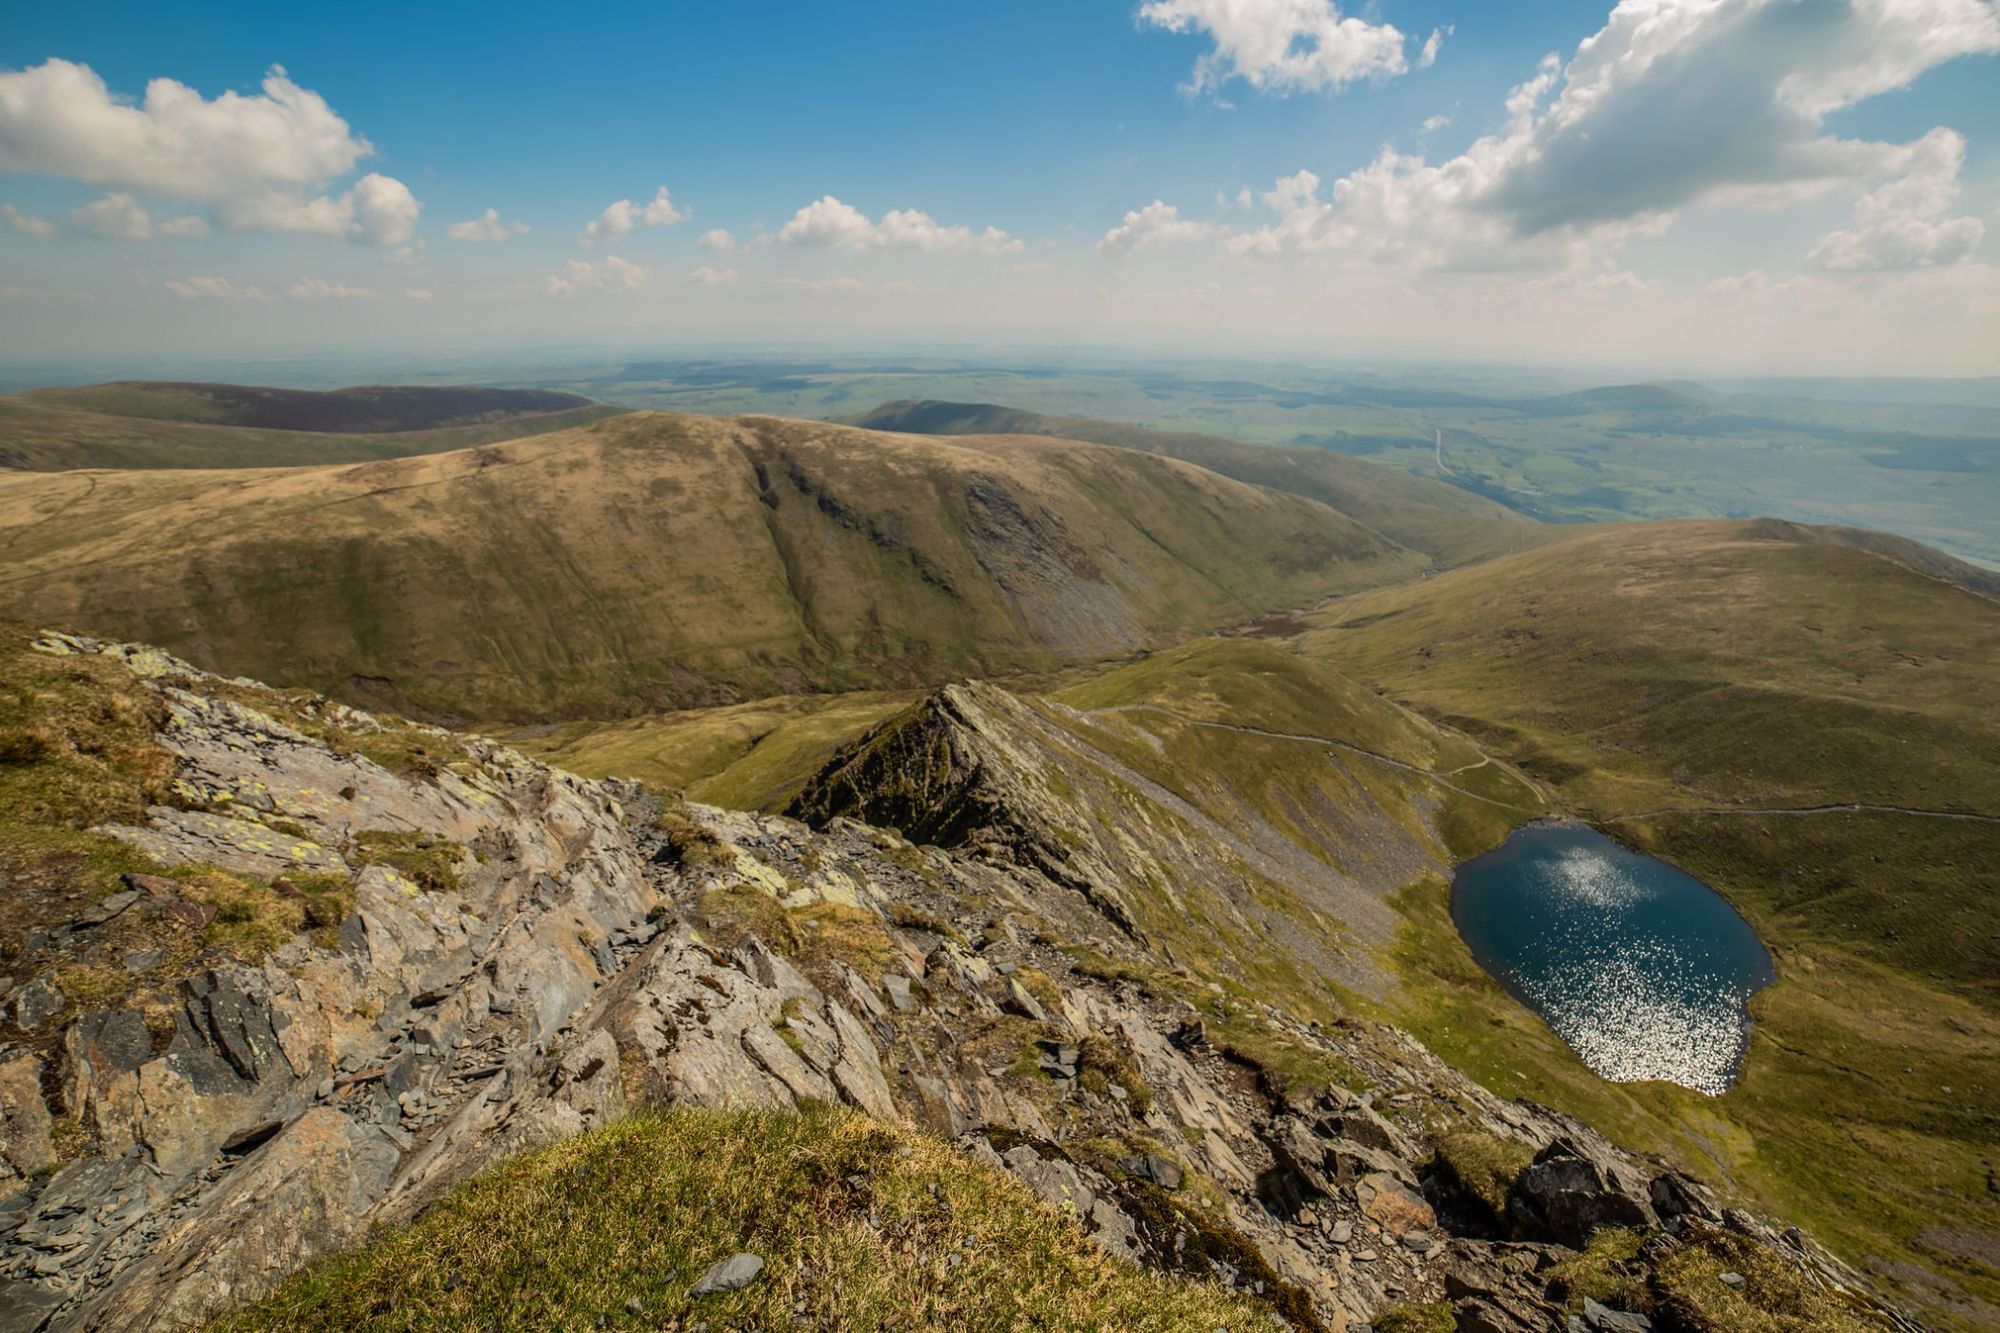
<point>1039,788</point>
<point>592,956</point>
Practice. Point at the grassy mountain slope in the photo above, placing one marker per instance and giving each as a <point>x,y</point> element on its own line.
<point>1673,682</point>
<point>147,425</point>
<point>878,1225</point>
<point>1450,525</point>
<point>654,561</point>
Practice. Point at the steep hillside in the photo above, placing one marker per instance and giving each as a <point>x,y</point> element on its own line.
<point>157,425</point>
<point>1450,525</point>
<point>654,561</point>
<point>450,1036</point>
<point>1803,718</point>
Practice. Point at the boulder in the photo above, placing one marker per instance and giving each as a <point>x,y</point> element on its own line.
<point>1576,1187</point>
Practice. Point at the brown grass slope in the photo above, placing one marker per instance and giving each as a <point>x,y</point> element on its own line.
<point>1451,526</point>
<point>159,425</point>
<point>655,561</point>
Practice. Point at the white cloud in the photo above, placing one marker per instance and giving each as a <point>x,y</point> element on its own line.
<point>319,289</point>
<point>610,274</point>
<point>1429,54</point>
<point>488,226</point>
<point>116,216</point>
<point>712,277</point>
<point>842,284</point>
<point>1283,46</point>
<point>1432,124</point>
<point>1905,223</point>
<point>418,294</point>
<point>255,159</point>
<point>189,225</point>
<point>26,224</point>
<point>621,218</point>
<point>1673,103</point>
<point>378,209</point>
<point>1157,223</point>
<point>829,222</point>
<point>717,238</point>
<point>59,119</point>
<point>213,289</point>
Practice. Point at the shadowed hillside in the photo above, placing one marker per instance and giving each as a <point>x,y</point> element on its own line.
<point>166,425</point>
<point>1449,525</point>
<point>659,561</point>
<point>368,409</point>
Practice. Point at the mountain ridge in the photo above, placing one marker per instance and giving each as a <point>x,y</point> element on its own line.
<point>665,560</point>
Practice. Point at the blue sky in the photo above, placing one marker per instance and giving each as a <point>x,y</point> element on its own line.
<point>1842,217</point>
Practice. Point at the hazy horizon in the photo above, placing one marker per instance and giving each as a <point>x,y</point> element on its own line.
<point>1668,187</point>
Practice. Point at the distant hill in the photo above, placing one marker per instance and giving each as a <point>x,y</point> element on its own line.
<point>138,424</point>
<point>1449,525</point>
<point>370,409</point>
<point>655,561</point>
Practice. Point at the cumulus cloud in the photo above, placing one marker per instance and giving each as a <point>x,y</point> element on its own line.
<point>256,159</point>
<point>1156,224</point>
<point>1672,103</point>
<point>27,224</point>
<point>116,216</point>
<point>712,277</point>
<point>610,274</point>
<point>378,209</point>
<point>1905,223</point>
<point>623,217</point>
<point>121,217</point>
<point>717,238</point>
<point>1284,46</point>
<point>213,289</point>
<point>319,289</point>
<point>830,223</point>
<point>487,227</point>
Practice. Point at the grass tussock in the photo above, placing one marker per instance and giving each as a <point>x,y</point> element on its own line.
<point>432,864</point>
<point>1482,1169</point>
<point>861,1226</point>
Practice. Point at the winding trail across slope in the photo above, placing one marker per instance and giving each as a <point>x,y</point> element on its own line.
<point>1349,747</point>
<point>1858,807</point>
<point>1852,808</point>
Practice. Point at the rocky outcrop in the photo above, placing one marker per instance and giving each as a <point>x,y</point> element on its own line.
<point>179,1152</point>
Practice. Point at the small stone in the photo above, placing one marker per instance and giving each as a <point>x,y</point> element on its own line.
<point>1366,1256</point>
<point>1340,1232</point>
<point>1307,1217</point>
<point>732,1274</point>
<point>1734,1281</point>
<point>899,992</point>
<point>105,909</point>
<point>635,1306</point>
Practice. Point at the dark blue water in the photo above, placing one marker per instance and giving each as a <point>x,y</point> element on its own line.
<point>1645,971</point>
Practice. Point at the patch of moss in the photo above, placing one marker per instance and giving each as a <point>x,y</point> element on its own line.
<point>1434,1317</point>
<point>431,863</point>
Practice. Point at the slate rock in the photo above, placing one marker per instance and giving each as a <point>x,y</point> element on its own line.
<point>732,1274</point>
<point>105,909</point>
<point>1601,1319</point>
